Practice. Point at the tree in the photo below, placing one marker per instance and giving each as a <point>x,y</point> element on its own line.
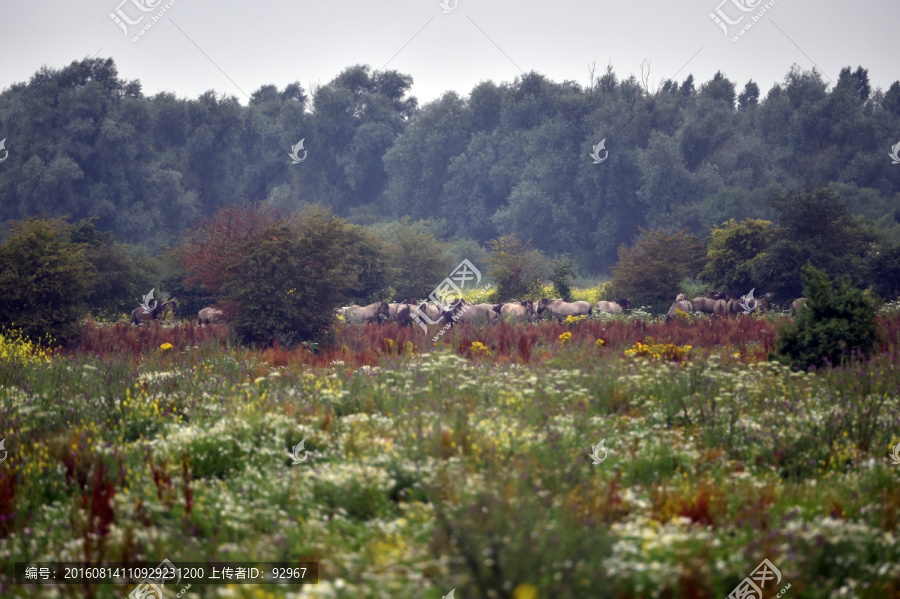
<point>731,251</point>
<point>280,276</point>
<point>517,269</point>
<point>837,324</point>
<point>750,96</point>
<point>561,277</point>
<point>656,264</point>
<point>287,282</point>
<point>44,278</point>
<point>418,260</point>
<point>812,227</point>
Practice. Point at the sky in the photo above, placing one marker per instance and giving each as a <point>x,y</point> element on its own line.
<point>234,47</point>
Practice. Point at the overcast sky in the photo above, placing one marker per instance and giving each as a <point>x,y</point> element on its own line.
<point>234,47</point>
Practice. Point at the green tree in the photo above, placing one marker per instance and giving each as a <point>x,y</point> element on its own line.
<point>561,277</point>
<point>418,260</point>
<point>731,251</point>
<point>653,268</point>
<point>119,279</point>
<point>286,283</point>
<point>837,324</point>
<point>44,278</point>
<point>517,269</point>
<point>813,227</point>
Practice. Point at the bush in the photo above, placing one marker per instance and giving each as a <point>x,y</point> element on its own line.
<point>732,249</point>
<point>44,278</point>
<point>516,268</point>
<point>418,260</point>
<point>654,267</point>
<point>561,277</point>
<point>279,276</point>
<point>838,324</point>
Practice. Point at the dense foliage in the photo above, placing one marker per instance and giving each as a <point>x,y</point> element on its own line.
<point>509,158</point>
<point>836,325</point>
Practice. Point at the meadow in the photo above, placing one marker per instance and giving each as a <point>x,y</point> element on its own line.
<point>462,464</point>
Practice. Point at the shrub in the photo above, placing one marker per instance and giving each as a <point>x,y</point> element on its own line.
<point>732,249</point>
<point>419,261</point>
<point>561,277</point>
<point>44,278</point>
<point>516,268</point>
<point>656,264</point>
<point>837,324</point>
<point>281,277</point>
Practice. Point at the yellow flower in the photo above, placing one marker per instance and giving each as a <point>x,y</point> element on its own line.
<point>736,354</point>
<point>480,348</point>
<point>573,319</point>
<point>600,343</point>
<point>526,590</point>
<point>567,336</point>
<point>165,346</point>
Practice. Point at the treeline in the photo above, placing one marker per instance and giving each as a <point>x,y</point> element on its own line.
<point>280,274</point>
<point>508,159</point>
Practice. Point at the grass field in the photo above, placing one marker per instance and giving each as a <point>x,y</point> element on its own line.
<point>462,464</point>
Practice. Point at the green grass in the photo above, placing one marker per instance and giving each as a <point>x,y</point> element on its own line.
<point>432,472</point>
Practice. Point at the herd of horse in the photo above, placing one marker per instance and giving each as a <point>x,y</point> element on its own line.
<point>407,312</point>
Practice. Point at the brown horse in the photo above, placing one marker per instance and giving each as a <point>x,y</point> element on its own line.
<point>141,314</point>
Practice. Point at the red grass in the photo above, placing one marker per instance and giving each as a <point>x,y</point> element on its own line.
<point>360,345</point>
<point>122,338</point>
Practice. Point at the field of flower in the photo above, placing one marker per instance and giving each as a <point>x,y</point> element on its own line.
<point>619,457</point>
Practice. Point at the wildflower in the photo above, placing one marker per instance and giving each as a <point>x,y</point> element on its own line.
<point>565,337</point>
<point>526,590</point>
<point>736,354</point>
<point>165,346</point>
<point>574,319</point>
<point>600,343</point>
<point>480,348</point>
